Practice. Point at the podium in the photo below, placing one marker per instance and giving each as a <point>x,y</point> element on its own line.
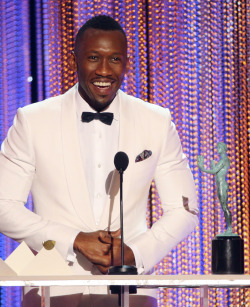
<point>203,282</point>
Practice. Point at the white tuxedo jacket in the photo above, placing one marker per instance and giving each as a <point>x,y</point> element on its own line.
<point>41,154</point>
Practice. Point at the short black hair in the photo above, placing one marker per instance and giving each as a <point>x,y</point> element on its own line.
<point>102,22</point>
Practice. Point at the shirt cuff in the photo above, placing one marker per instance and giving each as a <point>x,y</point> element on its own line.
<point>71,256</point>
<point>138,258</point>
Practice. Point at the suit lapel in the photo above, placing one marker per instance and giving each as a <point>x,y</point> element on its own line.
<point>75,176</point>
<point>126,140</point>
<point>128,135</point>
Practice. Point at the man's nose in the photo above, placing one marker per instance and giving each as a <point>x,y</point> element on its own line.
<point>104,68</point>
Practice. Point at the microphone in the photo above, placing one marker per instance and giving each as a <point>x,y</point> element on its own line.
<point>121,162</point>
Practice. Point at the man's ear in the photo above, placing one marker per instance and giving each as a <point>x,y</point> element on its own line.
<point>72,61</point>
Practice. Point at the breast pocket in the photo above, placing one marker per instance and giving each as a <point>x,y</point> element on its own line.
<point>144,170</point>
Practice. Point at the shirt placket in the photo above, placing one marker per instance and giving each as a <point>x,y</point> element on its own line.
<point>99,196</point>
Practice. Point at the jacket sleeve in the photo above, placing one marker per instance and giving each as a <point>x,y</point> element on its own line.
<point>17,170</point>
<point>175,184</point>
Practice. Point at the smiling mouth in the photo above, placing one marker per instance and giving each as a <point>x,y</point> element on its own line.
<point>102,84</point>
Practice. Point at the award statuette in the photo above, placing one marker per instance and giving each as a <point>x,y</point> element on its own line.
<point>227,247</point>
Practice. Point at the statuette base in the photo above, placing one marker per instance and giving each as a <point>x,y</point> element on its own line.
<point>227,255</point>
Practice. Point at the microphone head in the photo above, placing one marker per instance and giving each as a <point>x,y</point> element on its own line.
<point>121,161</point>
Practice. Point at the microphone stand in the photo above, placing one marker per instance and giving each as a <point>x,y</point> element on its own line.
<point>121,215</point>
<point>122,269</point>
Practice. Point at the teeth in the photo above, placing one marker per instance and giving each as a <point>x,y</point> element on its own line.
<point>104,84</point>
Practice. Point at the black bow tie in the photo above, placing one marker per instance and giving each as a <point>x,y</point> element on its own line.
<point>104,117</point>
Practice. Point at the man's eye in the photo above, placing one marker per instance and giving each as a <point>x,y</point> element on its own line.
<point>116,59</point>
<point>93,58</point>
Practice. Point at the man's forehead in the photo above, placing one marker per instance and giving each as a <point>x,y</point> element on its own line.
<point>96,39</point>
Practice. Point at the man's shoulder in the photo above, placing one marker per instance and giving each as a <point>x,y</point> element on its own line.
<point>140,105</point>
<point>49,104</point>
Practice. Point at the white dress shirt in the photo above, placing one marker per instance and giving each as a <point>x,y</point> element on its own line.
<point>99,161</point>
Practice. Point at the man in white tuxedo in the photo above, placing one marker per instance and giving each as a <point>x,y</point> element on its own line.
<point>64,155</point>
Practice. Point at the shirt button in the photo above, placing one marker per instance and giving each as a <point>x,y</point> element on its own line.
<point>99,195</point>
<point>99,165</point>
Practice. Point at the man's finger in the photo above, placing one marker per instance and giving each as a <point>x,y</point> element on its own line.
<point>116,233</point>
<point>105,237</point>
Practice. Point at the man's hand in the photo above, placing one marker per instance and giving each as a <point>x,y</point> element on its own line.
<point>92,247</point>
<point>115,253</point>
<point>103,249</point>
